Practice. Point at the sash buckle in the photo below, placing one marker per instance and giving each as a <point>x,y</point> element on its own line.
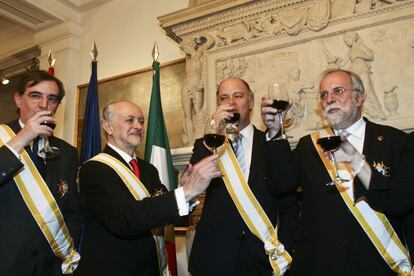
<point>274,250</point>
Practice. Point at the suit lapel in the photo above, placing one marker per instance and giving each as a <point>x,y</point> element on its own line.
<point>371,141</point>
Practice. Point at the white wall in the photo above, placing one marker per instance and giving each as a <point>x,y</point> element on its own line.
<point>125,32</point>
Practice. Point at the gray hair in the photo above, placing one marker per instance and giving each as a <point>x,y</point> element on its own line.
<point>356,82</point>
<point>108,110</point>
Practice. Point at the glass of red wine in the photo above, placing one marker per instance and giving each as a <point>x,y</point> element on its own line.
<point>231,129</point>
<point>48,151</point>
<point>280,97</point>
<point>213,140</point>
<point>329,145</point>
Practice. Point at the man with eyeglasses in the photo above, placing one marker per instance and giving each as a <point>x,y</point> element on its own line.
<point>40,221</point>
<point>339,233</point>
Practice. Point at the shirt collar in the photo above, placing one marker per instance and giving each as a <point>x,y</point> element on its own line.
<point>122,153</point>
<point>21,123</point>
<point>247,132</point>
<point>357,129</point>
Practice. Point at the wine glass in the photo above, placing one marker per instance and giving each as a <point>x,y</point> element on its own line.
<point>231,127</point>
<point>213,140</point>
<point>280,97</point>
<point>329,145</point>
<point>48,151</point>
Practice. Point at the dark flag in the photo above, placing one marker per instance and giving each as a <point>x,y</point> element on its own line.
<point>91,134</point>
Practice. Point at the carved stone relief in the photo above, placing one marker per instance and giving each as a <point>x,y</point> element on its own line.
<point>291,43</point>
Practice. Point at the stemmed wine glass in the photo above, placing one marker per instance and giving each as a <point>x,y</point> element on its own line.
<point>231,127</point>
<point>280,98</point>
<point>329,145</point>
<point>48,151</point>
<point>213,140</point>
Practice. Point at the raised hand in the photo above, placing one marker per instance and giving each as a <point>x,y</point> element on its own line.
<point>196,178</point>
<point>32,129</point>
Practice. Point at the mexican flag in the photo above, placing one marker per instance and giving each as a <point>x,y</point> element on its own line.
<point>157,152</point>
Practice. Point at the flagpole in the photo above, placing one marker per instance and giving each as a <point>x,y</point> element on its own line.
<point>91,133</point>
<point>51,62</point>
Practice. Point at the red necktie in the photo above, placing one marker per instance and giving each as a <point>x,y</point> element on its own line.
<point>135,168</point>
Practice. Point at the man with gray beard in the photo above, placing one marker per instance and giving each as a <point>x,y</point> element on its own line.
<point>339,233</point>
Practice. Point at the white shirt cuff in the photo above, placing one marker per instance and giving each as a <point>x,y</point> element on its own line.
<point>14,151</point>
<point>183,206</point>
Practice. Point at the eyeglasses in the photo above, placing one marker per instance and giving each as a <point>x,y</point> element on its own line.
<point>37,96</point>
<point>337,91</point>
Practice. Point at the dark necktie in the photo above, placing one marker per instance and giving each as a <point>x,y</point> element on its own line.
<point>135,168</point>
<point>39,163</point>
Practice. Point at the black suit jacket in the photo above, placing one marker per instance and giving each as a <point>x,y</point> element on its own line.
<point>330,241</point>
<point>222,238</point>
<point>395,195</point>
<point>117,228</point>
<point>23,248</point>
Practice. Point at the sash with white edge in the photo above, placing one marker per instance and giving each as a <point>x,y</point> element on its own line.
<point>250,210</point>
<point>139,192</point>
<point>375,224</point>
<point>43,207</point>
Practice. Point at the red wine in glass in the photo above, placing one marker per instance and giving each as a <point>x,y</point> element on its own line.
<point>331,144</point>
<point>52,125</point>
<point>234,119</point>
<point>213,140</point>
<point>48,151</point>
<point>280,105</point>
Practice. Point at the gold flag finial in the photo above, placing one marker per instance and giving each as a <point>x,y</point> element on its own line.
<point>50,58</point>
<point>155,52</point>
<point>94,51</point>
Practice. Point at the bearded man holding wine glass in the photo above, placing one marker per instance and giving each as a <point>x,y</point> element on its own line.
<point>227,240</point>
<point>339,233</point>
<point>40,220</point>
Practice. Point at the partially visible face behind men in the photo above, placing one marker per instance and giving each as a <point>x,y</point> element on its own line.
<point>341,110</point>
<point>235,93</point>
<point>35,99</point>
<point>125,127</point>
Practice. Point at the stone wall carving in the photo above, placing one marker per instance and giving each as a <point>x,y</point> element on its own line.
<point>292,41</point>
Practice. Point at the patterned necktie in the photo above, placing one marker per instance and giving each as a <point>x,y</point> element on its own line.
<point>239,151</point>
<point>135,168</point>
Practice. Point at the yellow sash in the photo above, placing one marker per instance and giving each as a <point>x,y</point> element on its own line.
<point>250,210</point>
<point>375,224</point>
<point>43,208</point>
<point>139,192</point>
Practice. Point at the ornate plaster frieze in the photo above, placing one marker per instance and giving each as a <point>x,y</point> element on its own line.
<point>290,43</point>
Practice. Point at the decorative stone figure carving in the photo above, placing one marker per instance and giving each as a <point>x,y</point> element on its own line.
<point>297,89</point>
<point>333,62</point>
<point>391,101</point>
<point>192,91</point>
<point>241,31</point>
<point>318,15</point>
<point>360,56</point>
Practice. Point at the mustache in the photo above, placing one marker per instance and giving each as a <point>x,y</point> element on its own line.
<point>331,107</point>
<point>136,132</point>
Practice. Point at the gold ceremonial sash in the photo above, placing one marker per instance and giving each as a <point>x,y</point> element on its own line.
<point>250,210</point>
<point>375,224</point>
<point>43,207</point>
<point>139,192</point>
